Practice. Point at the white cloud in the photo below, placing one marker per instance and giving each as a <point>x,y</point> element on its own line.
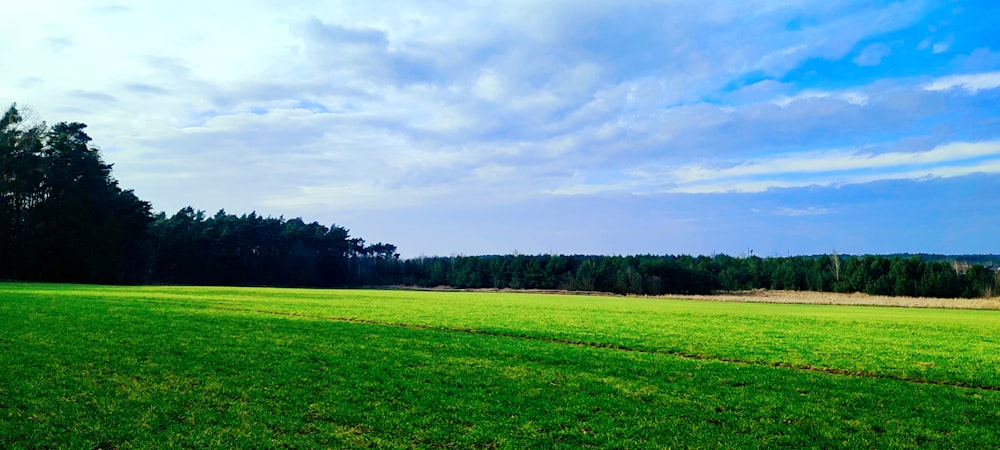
<point>798,212</point>
<point>971,82</point>
<point>490,86</point>
<point>839,160</point>
<point>836,168</point>
<point>852,97</point>
<point>872,54</point>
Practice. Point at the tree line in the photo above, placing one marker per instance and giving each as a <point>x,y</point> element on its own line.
<point>225,249</point>
<point>64,218</point>
<point>657,275</point>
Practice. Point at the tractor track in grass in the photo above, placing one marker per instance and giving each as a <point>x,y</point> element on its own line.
<point>622,348</point>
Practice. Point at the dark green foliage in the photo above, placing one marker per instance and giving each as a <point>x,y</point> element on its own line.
<point>62,216</point>
<point>618,274</point>
<point>252,250</point>
<point>657,275</point>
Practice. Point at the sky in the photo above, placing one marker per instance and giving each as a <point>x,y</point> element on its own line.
<point>482,127</point>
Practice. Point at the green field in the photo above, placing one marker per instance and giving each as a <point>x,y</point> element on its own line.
<point>178,367</point>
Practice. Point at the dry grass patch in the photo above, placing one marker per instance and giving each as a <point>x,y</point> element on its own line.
<point>855,299</point>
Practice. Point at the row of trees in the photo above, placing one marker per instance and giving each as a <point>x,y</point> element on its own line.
<point>226,249</point>
<point>64,218</point>
<point>656,275</point>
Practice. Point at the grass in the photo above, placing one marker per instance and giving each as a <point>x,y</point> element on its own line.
<point>176,367</point>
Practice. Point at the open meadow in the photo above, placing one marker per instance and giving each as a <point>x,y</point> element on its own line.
<point>183,367</point>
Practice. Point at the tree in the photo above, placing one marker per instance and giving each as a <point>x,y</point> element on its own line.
<point>20,189</point>
<point>586,276</point>
<point>905,275</point>
<point>64,217</point>
<point>835,265</point>
<point>496,272</point>
<point>978,281</point>
<point>939,280</point>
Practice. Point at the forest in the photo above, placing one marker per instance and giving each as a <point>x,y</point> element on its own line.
<point>64,218</point>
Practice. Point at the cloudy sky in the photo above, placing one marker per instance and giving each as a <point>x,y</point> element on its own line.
<point>611,127</point>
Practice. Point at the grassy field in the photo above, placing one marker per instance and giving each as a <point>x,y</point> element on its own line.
<point>177,367</point>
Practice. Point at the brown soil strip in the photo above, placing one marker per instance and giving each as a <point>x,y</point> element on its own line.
<point>855,299</point>
<point>766,296</point>
<point>677,354</point>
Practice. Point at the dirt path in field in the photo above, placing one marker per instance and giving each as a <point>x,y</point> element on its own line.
<point>768,296</point>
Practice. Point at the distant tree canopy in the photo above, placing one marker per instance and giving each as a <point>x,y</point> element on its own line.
<point>658,275</point>
<point>63,218</point>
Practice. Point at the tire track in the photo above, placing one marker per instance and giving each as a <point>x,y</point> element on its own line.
<point>622,348</point>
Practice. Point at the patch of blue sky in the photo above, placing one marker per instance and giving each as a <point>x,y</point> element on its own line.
<point>892,204</point>
<point>310,105</point>
<point>740,81</point>
<point>634,40</point>
<point>822,73</point>
<point>200,118</point>
<point>987,104</point>
<point>926,49</point>
<point>411,70</point>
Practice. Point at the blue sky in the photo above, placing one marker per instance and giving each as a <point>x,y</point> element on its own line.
<point>699,127</point>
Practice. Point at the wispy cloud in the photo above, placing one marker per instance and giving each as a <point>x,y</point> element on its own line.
<point>798,212</point>
<point>838,168</point>
<point>852,97</point>
<point>970,82</point>
<point>872,55</point>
